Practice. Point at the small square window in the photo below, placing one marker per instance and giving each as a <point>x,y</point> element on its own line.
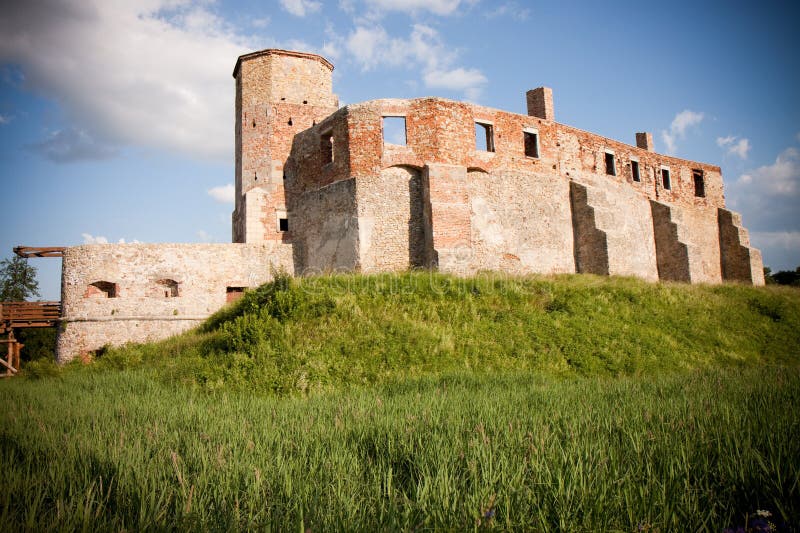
<point>665,180</point>
<point>484,137</point>
<point>635,175</point>
<point>394,130</point>
<point>699,183</point>
<point>233,293</point>
<point>283,224</point>
<point>531,144</point>
<point>611,168</point>
<point>326,147</point>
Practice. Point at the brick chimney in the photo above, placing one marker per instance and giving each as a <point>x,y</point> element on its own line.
<point>540,103</point>
<point>645,140</point>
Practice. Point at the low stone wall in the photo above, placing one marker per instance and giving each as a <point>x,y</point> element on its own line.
<point>117,293</point>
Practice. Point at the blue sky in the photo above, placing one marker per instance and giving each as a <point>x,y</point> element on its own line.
<point>116,117</point>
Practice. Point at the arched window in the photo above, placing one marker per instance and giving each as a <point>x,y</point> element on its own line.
<point>167,288</point>
<point>101,289</point>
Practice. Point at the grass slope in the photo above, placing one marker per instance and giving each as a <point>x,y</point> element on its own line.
<point>324,333</point>
<point>575,404</point>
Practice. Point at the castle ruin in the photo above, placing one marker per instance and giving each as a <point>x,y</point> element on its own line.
<point>460,188</point>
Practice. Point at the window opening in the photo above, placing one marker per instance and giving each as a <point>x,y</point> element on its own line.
<point>635,175</point>
<point>233,293</point>
<point>101,289</point>
<point>394,130</point>
<point>699,184</point>
<point>531,144</point>
<point>290,121</point>
<point>168,287</point>
<point>611,168</point>
<point>484,137</point>
<point>283,224</point>
<point>326,147</point>
<point>665,181</point>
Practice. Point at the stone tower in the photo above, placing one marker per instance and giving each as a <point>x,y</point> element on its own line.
<point>278,93</point>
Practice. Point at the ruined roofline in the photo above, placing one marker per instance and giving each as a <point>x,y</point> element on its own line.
<point>399,101</point>
<point>278,51</point>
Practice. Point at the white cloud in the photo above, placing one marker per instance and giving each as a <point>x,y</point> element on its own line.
<point>677,130</point>
<point>369,46</point>
<point>458,79</point>
<point>71,144</point>
<point>88,238</point>
<point>438,7</point>
<point>301,8</point>
<point>204,236</point>
<point>223,194</point>
<point>423,50</point>
<point>262,22</point>
<point>780,178</point>
<point>510,9</point>
<point>4,119</point>
<point>91,239</point>
<point>154,73</point>
<point>734,146</point>
<point>786,240</point>
<point>780,249</point>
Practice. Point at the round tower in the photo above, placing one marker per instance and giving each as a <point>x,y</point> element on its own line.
<point>278,93</point>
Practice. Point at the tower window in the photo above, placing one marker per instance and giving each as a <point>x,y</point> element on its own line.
<point>283,224</point>
<point>484,137</point>
<point>611,168</point>
<point>394,130</point>
<point>326,147</point>
<point>699,183</point>
<point>635,175</point>
<point>665,179</point>
<point>531,143</point>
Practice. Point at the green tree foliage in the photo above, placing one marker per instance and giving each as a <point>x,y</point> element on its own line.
<point>784,277</point>
<point>18,283</point>
<point>17,280</point>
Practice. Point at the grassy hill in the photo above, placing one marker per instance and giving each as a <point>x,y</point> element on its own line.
<point>422,401</point>
<point>323,333</point>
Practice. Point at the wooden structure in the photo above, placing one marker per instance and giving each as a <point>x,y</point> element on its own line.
<point>23,315</point>
<point>33,251</point>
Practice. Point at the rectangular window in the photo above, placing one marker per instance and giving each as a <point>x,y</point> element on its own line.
<point>635,171</point>
<point>233,293</point>
<point>611,168</point>
<point>484,137</point>
<point>283,224</point>
<point>394,130</point>
<point>326,147</point>
<point>699,184</point>
<point>665,181</point>
<point>531,143</point>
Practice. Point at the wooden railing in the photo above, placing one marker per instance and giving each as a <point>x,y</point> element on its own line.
<point>22,315</point>
<point>29,314</point>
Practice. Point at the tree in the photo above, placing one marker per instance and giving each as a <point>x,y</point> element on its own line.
<point>18,283</point>
<point>17,280</point>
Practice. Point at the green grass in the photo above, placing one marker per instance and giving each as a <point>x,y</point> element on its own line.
<point>424,402</point>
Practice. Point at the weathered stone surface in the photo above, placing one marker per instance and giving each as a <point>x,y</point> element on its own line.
<point>141,308</point>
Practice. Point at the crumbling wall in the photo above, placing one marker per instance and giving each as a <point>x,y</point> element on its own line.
<point>326,231</point>
<point>740,262</point>
<point>521,222</point>
<point>117,293</point>
<point>613,229</point>
<point>390,220</point>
